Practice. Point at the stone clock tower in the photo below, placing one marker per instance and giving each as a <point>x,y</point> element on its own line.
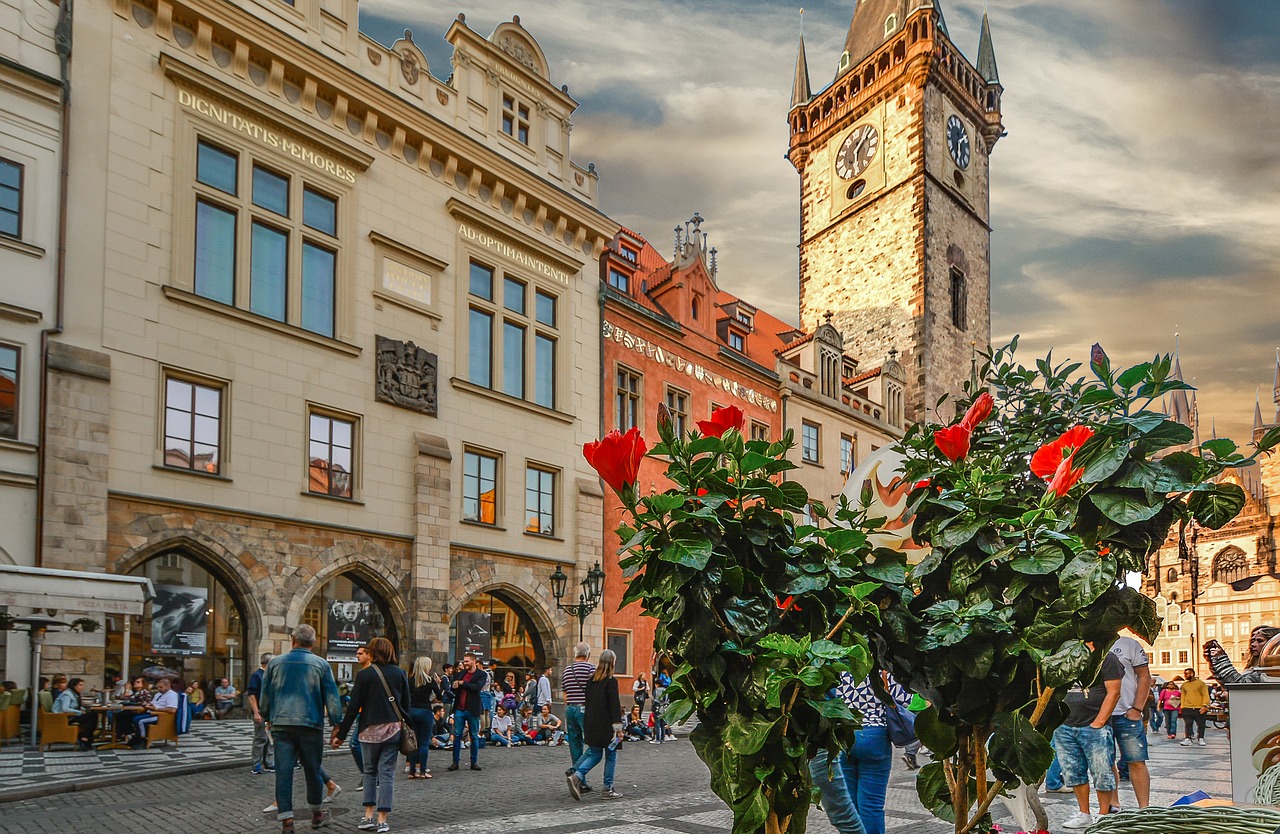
<point>893,161</point>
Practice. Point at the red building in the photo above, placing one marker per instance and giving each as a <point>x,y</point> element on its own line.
<point>672,336</point>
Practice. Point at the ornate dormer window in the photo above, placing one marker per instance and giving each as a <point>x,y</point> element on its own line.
<point>890,25</point>
<point>829,364</point>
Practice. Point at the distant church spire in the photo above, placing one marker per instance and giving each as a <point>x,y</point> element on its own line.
<point>800,91</point>
<point>1275,387</point>
<point>1257,411</point>
<point>1178,400</point>
<point>987,54</point>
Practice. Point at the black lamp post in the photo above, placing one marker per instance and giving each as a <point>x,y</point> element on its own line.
<point>588,597</point>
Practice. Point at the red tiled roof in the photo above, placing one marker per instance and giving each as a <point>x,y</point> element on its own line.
<point>863,377</point>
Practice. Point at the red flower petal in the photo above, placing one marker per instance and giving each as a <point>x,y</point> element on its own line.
<point>722,419</point>
<point>1044,463</point>
<point>953,441</point>
<point>979,411</point>
<point>616,457</point>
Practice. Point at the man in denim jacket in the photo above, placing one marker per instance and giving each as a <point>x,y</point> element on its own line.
<point>297,690</point>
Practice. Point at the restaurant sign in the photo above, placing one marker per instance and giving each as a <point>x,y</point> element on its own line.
<point>681,365</point>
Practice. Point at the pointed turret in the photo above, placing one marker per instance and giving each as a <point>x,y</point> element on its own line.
<point>800,91</point>
<point>1178,401</point>
<point>987,54</point>
<point>1257,411</point>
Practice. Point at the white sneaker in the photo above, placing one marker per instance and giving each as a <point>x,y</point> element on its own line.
<point>1079,820</point>
<point>1202,744</point>
<point>1186,742</point>
<point>271,809</point>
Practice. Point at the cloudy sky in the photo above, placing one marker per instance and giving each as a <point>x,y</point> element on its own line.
<point>1136,196</point>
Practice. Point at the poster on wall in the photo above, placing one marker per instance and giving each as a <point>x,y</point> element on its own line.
<point>350,627</point>
<point>475,635</point>
<point>179,620</point>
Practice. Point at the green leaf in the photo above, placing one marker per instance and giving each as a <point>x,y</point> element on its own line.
<point>1151,475</point>
<point>1043,560</point>
<point>945,634</point>
<point>829,650</point>
<point>1221,447</point>
<point>1148,624</point>
<point>1165,435</point>
<point>1103,465</point>
<point>957,533</point>
<point>785,644</point>
<point>1134,375</point>
<point>931,787</point>
<point>832,708</point>
<point>1216,507</point>
<point>752,461</point>
<point>747,736</point>
<point>678,711</point>
<point>1019,748</point>
<point>692,553</point>
<point>1145,421</point>
<point>1269,440</point>
<point>804,583</point>
<point>1085,578</point>
<point>886,566</point>
<point>747,617</point>
<point>940,738</point>
<point>664,502</point>
<point>793,493</point>
<point>1064,667</point>
<point>1127,506</point>
<point>749,815</point>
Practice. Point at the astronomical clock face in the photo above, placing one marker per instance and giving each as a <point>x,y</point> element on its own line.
<point>958,142</point>
<point>857,152</point>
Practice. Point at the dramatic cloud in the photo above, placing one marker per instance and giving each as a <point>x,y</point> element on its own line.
<point>1136,195</point>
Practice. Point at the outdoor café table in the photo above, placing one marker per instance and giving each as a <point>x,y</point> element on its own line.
<point>107,724</point>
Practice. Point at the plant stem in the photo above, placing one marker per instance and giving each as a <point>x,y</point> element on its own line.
<point>848,613</point>
<point>1042,703</point>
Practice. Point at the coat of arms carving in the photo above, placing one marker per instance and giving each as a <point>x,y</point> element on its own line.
<point>406,376</point>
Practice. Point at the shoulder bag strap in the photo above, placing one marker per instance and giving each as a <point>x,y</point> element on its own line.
<point>387,689</point>
<point>876,681</point>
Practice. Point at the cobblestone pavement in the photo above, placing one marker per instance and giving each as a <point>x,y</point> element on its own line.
<point>664,786</point>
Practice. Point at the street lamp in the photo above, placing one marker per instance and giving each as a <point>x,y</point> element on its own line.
<point>588,597</point>
<point>38,626</point>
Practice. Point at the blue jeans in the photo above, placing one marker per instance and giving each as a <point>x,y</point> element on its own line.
<point>1157,717</point>
<point>1087,755</point>
<point>293,745</point>
<point>573,731</point>
<point>835,795</point>
<point>473,724</point>
<point>380,771</point>
<point>866,774</point>
<point>591,758</point>
<point>424,725</point>
<point>1053,778</point>
<point>1171,721</point>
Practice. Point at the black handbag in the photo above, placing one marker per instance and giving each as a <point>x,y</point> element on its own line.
<point>899,721</point>
<point>408,738</point>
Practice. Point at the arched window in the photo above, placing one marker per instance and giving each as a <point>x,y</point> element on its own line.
<point>959,299</point>
<point>694,308</point>
<point>1172,575</point>
<point>829,372</point>
<point>1231,565</point>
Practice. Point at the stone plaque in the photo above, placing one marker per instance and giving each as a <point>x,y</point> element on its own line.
<point>406,376</point>
<point>404,280</point>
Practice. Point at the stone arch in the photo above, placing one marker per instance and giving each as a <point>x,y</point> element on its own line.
<point>540,605</point>
<point>1230,565</point>
<point>230,565</point>
<point>367,562</point>
<point>516,42</point>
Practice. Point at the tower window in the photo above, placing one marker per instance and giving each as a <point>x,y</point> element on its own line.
<point>829,373</point>
<point>890,25</point>
<point>959,300</point>
<point>693,308</point>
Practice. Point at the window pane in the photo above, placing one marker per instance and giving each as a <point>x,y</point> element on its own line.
<point>318,271</point>
<point>546,312</point>
<point>513,359</point>
<point>8,391</point>
<point>342,434</point>
<point>177,424</point>
<point>10,198</point>
<point>178,394</point>
<point>320,212</point>
<point>319,428</point>
<point>207,400</point>
<point>318,450</point>
<point>205,459</point>
<point>544,372</point>
<point>216,167</point>
<point>215,253</point>
<point>270,191</point>
<point>480,348</point>
<point>206,430</point>
<point>268,272</point>
<point>10,173</point>
<point>481,281</point>
<point>513,295</point>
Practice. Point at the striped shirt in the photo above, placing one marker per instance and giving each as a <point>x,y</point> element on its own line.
<point>574,681</point>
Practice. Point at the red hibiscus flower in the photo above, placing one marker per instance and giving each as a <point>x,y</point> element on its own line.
<point>722,419</point>
<point>922,484</point>
<point>787,604</point>
<point>617,457</point>
<point>1055,461</point>
<point>979,411</point>
<point>953,441</point>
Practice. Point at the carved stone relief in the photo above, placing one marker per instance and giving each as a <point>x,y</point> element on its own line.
<point>406,376</point>
<point>409,67</point>
<point>517,50</point>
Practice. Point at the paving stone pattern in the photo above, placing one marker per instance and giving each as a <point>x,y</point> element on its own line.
<point>664,786</point>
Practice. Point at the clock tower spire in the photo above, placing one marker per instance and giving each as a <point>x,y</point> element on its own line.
<point>893,162</point>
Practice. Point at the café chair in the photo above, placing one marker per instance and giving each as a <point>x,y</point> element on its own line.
<point>56,728</point>
<point>165,729</point>
<point>10,718</point>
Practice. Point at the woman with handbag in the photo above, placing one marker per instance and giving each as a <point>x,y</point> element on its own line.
<point>380,698</point>
<point>866,766</point>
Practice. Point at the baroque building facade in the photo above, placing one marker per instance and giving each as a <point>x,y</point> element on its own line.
<point>674,337</point>
<point>893,157</point>
<point>1219,584</point>
<point>325,337</point>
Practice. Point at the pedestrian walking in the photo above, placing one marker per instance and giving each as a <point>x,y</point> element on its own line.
<point>298,689</point>
<point>867,764</point>
<point>602,728</point>
<point>377,696</point>
<point>640,690</point>
<point>264,760</point>
<point>1195,703</point>
<point>1171,706</point>
<point>836,801</point>
<point>573,681</point>
<point>530,692</point>
<point>468,684</point>
<point>424,693</point>
<point>1126,717</point>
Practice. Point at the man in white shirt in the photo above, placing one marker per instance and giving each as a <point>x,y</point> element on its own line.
<point>165,700</point>
<point>1126,718</point>
<point>544,687</point>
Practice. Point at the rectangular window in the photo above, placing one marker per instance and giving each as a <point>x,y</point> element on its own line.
<point>959,301</point>
<point>1182,656</point>
<point>678,405</point>
<point>513,359</point>
<point>627,398</point>
<point>513,295</point>
<point>480,488</point>
<point>759,431</point>
<point>192,426</point>
<point>809,442</point>
<point>523,354</point>
<point>515,119</point>
<point>847,461</point>
<point>539,501</point>
<point>1166,658</point>
<point>546,309</point>
<point>737,341</point>
<point>330,455</point>
<point>9,357</point>
<point>10,198</point>
<point>288,229</point>
<point>618,280</point>
<point>1210,630</point>
<point>544,371</point>
<point>619,642</point>
<point>1228,628</point>
<point>480,348</point>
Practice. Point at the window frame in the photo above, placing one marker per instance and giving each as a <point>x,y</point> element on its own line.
<point>223,387</point>
<point>959,299</point>
<point>619,280</point>
<point>759,431</point>
<point>17,391</point>
<point>555,475</point>
<point>635,398</point>
<point>737,341</point>
<point>503,319</point>
<point>848,462</point>
<point>519,113</point>
<point>497,458</point>
<point>21,190</point>
<point>621,669</point>
<point>679,417</point>
<point>356,423</point>
<point>817,443</point>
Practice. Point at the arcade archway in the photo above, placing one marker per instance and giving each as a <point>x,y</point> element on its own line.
<point>497,627</point>
<point>347,612</point>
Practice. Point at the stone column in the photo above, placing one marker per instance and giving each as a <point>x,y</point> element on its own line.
<point>429,576</point>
